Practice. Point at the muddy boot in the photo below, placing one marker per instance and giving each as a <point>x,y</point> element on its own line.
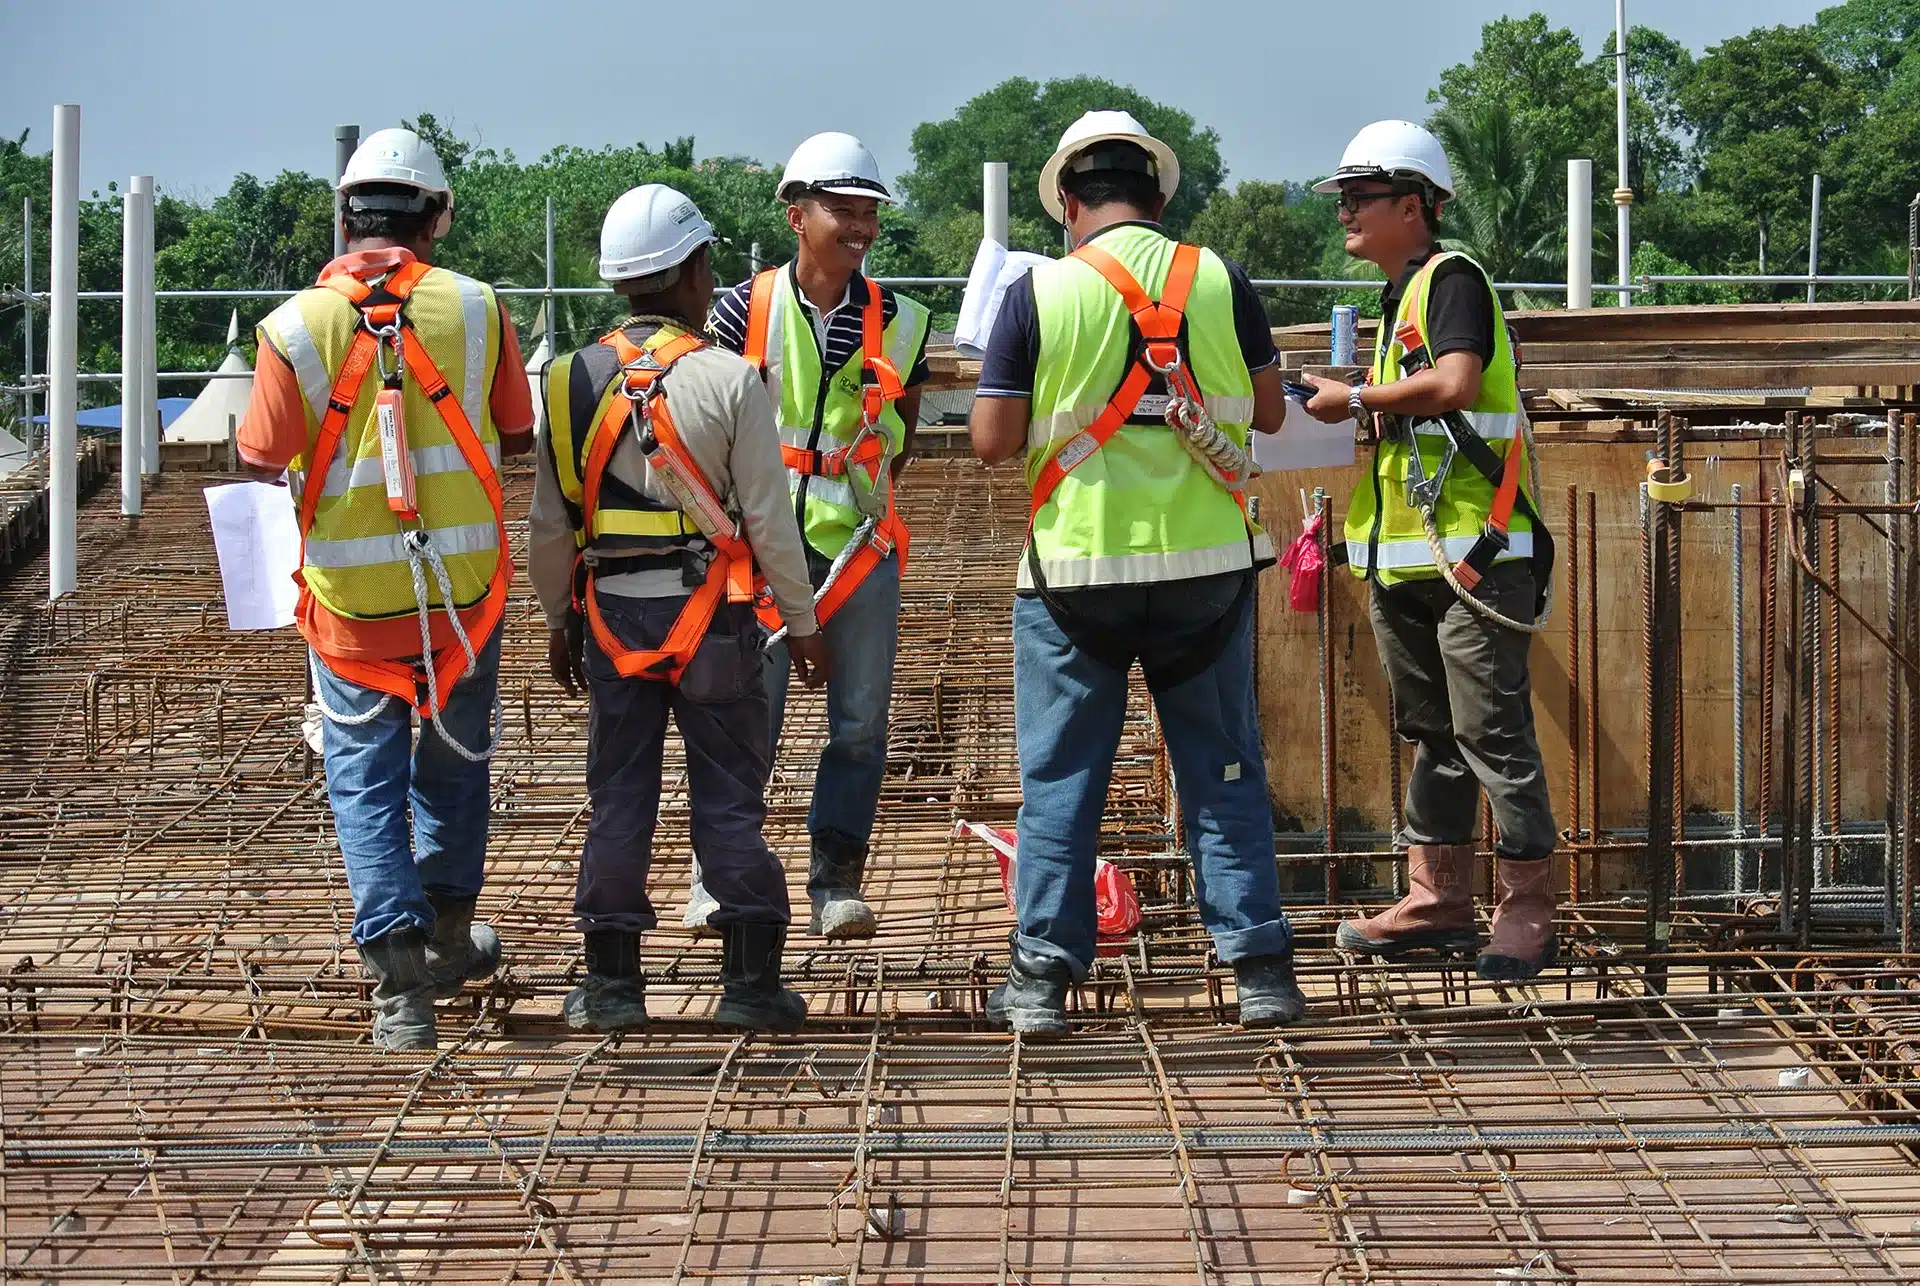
<point>1269,996</point>
<point>613,995</point>
<point>403,991</point>
<point>1522,943</point>
<point>1436,913</point>
<point>833,886</point>
<point>752,998</point>
<point>1033,999</point>
<point>459,951</point>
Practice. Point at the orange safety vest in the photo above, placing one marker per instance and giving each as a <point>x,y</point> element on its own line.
<point>880,383</point>
<point>382,309</point>
<point>730,575</point>
<point>1159,325</point>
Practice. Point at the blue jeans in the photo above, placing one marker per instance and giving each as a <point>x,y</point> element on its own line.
<point>862,638</point>
<point>1068,709</point>
<point>411,818</point>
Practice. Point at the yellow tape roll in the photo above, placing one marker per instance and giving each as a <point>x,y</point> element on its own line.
<point>1666,485</point>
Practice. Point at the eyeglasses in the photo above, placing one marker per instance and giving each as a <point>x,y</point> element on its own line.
<point>1354,202</point>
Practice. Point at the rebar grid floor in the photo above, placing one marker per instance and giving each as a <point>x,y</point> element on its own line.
<point>186,1093</point>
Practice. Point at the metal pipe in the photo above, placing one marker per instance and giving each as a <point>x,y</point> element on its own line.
<point>147,333</point>
<point>1579,234</point>
<point>1324,634</point>
<point>1738,882</point>
<point>26,319</point>
<point>553,347</point>
<point>346,139</point>
<point>131,351</point>
<point>993,201</point>
<point>1593,667</point>
<point>63,354</point>
<point>1813,245</point>
<point>1573,684</point>
<point>1622,192</point>
<point>1894,768</point>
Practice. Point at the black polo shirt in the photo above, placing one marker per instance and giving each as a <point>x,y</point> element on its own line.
<point>1459,307</point>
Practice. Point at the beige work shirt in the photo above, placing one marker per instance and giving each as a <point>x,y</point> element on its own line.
<point>721,409</point>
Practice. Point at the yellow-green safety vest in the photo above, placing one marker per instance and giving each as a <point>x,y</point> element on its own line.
<point>355,564</point>
<point>1139,510</point>
<point>1386,536</point>
<point>822,412</point>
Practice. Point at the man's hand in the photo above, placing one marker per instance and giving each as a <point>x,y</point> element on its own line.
<point>810,660</point>
<point>1329,404</point>
<point>273,477</point>
<point>564,652</point>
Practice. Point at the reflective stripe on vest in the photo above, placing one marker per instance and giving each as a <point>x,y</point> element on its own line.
<point>790,361</point>
<point>1138,510</point>
<point>1395,528</point>
<point>454,323</point>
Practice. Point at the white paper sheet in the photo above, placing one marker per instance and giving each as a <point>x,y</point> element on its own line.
<point>994,269</point>
<point>1304,443</point>
<point>257,539</point>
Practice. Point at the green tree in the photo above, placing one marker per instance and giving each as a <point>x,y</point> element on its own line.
<point>1503,212</point>
<point>1869,38</point>
<point>1019,121</point>
<point>1272,230</point>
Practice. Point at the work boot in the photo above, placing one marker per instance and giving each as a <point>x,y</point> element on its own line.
<point>1269,996</point>
<point>1523,942</point>
<point>1437,911</point>
<point>752,998</point>
<point>1033,999</point>
<point>833,887</point>
<point>459,951</point>
<point>613,995</point>
<point>403,990</point>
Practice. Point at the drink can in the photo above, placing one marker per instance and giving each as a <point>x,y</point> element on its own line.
<point>1346,328</point>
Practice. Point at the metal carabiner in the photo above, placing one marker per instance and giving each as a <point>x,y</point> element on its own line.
<point>387,339</point>
<point>1423,491</point>
<point>873,505</point>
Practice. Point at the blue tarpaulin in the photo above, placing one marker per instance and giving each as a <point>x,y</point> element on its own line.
<point>108,417</point>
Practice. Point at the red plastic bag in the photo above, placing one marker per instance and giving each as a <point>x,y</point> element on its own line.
<point>1306,560</point>
<point>1116,907</point>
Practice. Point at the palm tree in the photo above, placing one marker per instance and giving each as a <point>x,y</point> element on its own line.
<point>1497,214</point>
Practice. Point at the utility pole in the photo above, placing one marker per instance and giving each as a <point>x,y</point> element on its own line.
<point>346,138</point>
<point>1622,192</point>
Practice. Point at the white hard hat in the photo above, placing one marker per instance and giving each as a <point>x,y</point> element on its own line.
<point>1084,136</point>
<point>1392,150</point>
<point>650,229</point>
<point>397,156</point>
<point>833,162</point>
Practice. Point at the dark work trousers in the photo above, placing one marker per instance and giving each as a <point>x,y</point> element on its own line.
<point>1462,695</point>
<point>720,707</point>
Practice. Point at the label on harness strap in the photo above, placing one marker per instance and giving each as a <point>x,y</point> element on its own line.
<point>1153,404</point>
<point>1070,456</point>
<point>396,463</point>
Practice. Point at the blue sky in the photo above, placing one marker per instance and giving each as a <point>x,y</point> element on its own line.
<point>195,91</point>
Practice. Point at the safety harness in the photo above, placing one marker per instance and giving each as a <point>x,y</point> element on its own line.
<point>881,531</point>
<point>639,405</point>
<point>1159,354</point>
<point>1424,493</point>
<point>385,341</point>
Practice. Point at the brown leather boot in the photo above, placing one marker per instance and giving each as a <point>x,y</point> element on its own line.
<point>1436,913</point>
<point>1523,942</point>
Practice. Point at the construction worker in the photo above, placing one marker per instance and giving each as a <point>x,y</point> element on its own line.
<point>1130,373</point>
<point>843,358</point>
<point>1447,530</point>
<point>388,392</point>
<point>659,492</point>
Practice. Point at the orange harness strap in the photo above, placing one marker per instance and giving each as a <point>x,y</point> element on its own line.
<point>729,576</point>
<point>1159,324</point>
<point>1500,517</point>
<point>399,678</point>
<point>881,383</point>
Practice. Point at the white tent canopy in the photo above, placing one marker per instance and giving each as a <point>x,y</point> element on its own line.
<point>221,400</point>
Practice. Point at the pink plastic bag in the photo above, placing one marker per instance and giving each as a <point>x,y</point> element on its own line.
<point>1306,560</point>
<point>1116,907</point>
